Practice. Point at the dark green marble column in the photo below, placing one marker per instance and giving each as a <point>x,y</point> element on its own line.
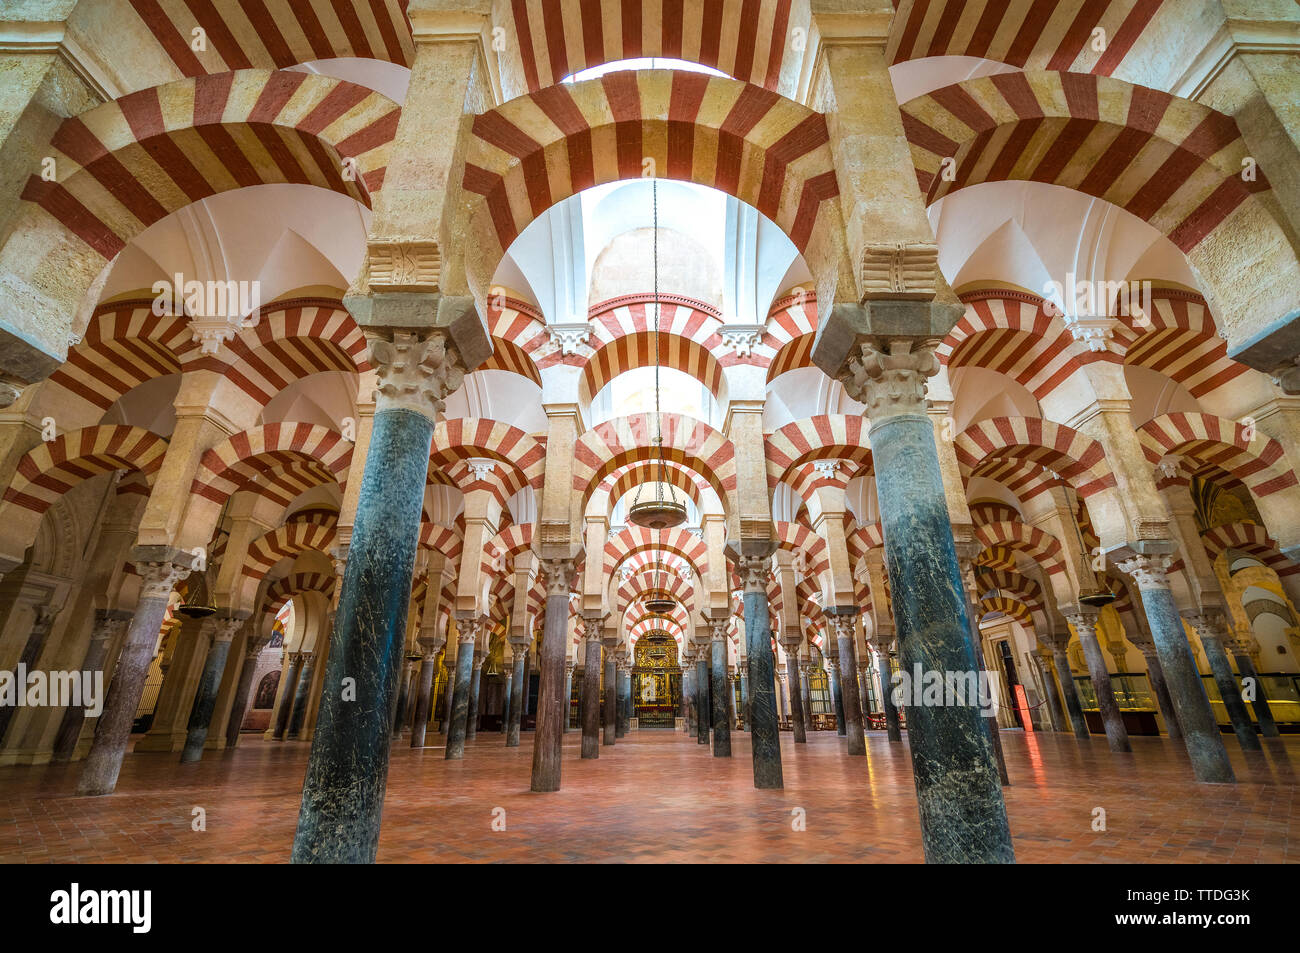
<point>1055,713</point>
<point>1085,626</point>
<point>590,708</point>
<point>553,693</point>
<point>458,730</point>
<point>689,713</point>
<point>959,794</point>
<point>837,698</point>
<point>843,631</point>
<point>205,698</point>
<point>764,728</point>
<point>302,696</point>
<point>347,773</point>
<point>793,675</point>
<point>624,682</point>
<point>159,568</point>
<point>1240,649</point>
<point>1156,676</point>
<point>424,692</point>
<point>1069,690</point>
<point>288,693</point>
<point>517,689</point>
<point>1200,729</point>
<point>1210,629</point>
<point>610,727</point>
<point>703,702</point>
<point>893,724</point>
<point>721,688</point>
<point>805,692</point>
<point>475,684</point>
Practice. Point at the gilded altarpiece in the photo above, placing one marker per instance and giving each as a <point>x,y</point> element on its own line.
<point>656,680</point>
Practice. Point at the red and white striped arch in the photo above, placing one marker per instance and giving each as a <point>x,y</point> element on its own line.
<point>748,39</point>
<point>269,453</point>
<point>656,624</point>
<point>125,344</point>
<point>1019,537</point>
<point>515,452</point>
<point>1032,34</point>
<point>624,339</point>
<point>1171,162</point>
<point>1012,583</point>
<point>993,511</point>
<point>791,329</point>
<point>295,584</point>
<point>1009,606</point>
<point>54,467</point>
<point>861,538</point>
<point>807,546</point>
<point>125,165</point>
<point>1182,342</point>
<point>632,540</point>
<point>625,479</point>
<point>538,149</point>
<point>617,443</point>
<point>1249,538</point>
<point>275,34</point>
<point>313,529</point>
<point>1031,444</point>
<point>520,343</point>
<point>1213,441</point>
<point>1011,333</point>
<point>823,437</point>
<point>289,340</point>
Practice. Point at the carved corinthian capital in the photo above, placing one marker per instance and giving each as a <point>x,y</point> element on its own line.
<point>556,574</point>
<point>754,572</point>
<point>158,579</point>
<point>889,376</point>
<point>1147,571</point>
<point>416,371</point>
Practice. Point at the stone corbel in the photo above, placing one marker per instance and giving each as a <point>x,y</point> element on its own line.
<point>1092,332</point>
<point>569,338</point>
<point>742,338</point>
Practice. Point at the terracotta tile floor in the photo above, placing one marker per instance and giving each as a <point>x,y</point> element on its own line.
<point>658,796</point>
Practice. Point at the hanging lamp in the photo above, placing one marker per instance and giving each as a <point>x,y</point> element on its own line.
<point>664,511</point>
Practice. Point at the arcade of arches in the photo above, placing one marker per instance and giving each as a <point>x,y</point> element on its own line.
<point>331,342</point>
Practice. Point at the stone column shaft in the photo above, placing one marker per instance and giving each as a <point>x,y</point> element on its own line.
<point>797,693</point>
<point>1085,625</point>
<point>205,699</point>
<point>1200,730</point>
<point>458,729</point>
<point>721,691</point>
<point>516,698</point>
<point>610,731</point>
<point>765,734</point>
<point>301,697</point>
<point>1209,628</point>
<point>959,793</point>
<point>107,624</point>
<point>113,730</point>
<point>423,697</point>
<point>552,700</point>
<point>347,772</point>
